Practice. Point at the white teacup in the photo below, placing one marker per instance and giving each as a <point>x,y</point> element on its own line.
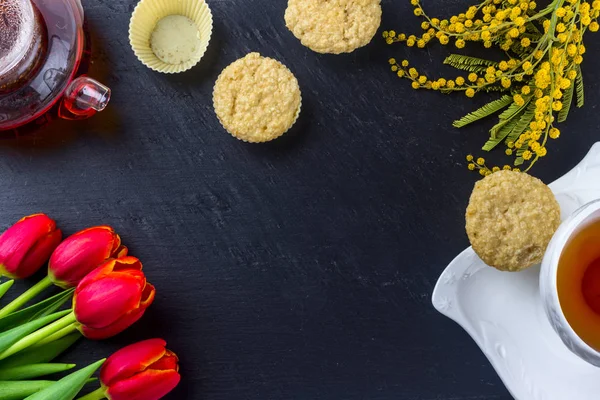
<point>583,217</point>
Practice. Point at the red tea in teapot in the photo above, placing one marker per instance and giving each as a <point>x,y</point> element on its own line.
<point>22,42</point>
<point>44,53</point>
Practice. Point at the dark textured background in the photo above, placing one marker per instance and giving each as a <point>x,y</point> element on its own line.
<point>300,269</point>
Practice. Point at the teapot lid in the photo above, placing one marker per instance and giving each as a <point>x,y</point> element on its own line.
<point>57,52</point>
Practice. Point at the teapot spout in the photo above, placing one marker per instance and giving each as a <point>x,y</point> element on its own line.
<point>83,98</point>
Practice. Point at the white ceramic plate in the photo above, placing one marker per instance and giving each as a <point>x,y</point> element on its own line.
<point>503,313</point>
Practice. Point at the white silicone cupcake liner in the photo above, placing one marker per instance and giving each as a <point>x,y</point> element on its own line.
<point>144,19</point>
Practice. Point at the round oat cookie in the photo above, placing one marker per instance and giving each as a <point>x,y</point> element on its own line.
<point>333,26</point>
<point>257,99</point>
<point>511,218</point>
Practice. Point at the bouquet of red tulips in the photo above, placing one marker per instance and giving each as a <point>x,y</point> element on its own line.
<point>109,293</point>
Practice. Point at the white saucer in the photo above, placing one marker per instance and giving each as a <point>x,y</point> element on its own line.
<point>503,313</point>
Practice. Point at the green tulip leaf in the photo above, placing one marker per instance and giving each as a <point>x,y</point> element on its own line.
<point>18,390</point>
<point>69,386</point>
<point>38,310</point>
<point>40,354</point>
<point>5,286</point>
<point>32,371</point>
<point>12,336</point>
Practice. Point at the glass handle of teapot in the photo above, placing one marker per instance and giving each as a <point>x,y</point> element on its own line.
<point>79,7</point>
<point>83,98</point>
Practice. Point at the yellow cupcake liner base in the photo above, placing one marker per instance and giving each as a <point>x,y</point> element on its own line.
<point>144,19</point>
<point>272,138</point>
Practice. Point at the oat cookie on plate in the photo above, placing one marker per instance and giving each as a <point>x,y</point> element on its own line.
<point>510,220</point>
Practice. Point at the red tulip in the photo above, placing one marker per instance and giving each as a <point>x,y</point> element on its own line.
<point>142,371</point>
<point>112,297</point>
<point>83,252</point>
<point>27,245</point>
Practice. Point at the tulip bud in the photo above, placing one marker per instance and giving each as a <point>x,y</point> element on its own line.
<point>112,297</point>
<point>83,252</point>
<point>141,371</point>
<point>27,245</point>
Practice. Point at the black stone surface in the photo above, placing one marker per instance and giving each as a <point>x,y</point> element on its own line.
<point>299,269</point>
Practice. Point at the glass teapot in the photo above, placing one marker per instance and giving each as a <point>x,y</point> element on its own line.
<point>44,54</point>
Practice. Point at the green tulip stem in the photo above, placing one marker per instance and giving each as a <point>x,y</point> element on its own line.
<point>39,335</point>
<point>59,334</point>
<point>20,301</point>
<point>5,286</point>
<point>98,394</point>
